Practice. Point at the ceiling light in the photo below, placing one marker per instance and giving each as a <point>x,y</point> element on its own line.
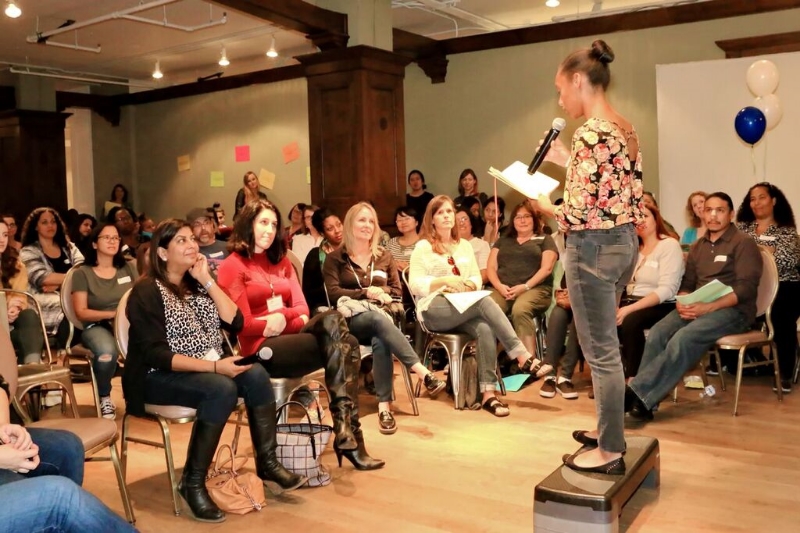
<point>223,59</point>
<point>552,3</point>
<point>272,52</point>
<point>157,74</point>
<point>12,10</point>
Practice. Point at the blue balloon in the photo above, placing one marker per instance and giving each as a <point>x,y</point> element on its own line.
<point>750,124</point>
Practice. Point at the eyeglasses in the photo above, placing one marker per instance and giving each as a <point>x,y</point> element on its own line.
<point>108,238</point>
<point>198,223</point>
<point>523,217</point>
<point>452,263</point>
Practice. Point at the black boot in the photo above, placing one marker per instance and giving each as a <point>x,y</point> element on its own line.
<point>342,361</point>
<point>202,445</point>
<point>359,457</point>
<point>262,421</point>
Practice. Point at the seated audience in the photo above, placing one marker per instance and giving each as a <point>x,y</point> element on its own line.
<point>305,242</point>
<point>561,329</point>
<point>127,225</point>
<point>677,342</point>
<point>695,218</point>
<point>175,315</point>
<point>468,226</point>
<point>262,283</point>
<point>419,198</point>
<point>223,230</point>
<point>648,199</point>
<point>468,187</point>
<point>47,255</point>
<point>767,216</point>
<point>407,221</point>
<point>81,230</point>
<point>250,191</point>
<point>11,222</point>
<point>362,281</point>
<point>443,263</point>
<point>329,225</point>
<point>23,322</point>
<point>120,198</point>
<point>296,222</point>
<point>650,295</point>
<point>97,287</point>
<point>494,217</point>
<point>520,270</point>
<point>204,230</point>
<point>146,228</point>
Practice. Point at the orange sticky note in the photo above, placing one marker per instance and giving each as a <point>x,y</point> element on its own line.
<point>291,152</point>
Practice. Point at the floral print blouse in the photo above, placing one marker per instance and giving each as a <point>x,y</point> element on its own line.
<point>784,240</point>
<point>601,189</point>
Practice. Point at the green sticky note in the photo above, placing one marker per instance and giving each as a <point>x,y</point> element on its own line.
<point>217,178</point>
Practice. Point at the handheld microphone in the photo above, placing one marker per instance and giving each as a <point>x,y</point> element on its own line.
<point>264,354</point>
<point>538,158</point>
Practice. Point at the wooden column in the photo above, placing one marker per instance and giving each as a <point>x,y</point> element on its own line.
<point>33,169</point>
<point>356,128</point>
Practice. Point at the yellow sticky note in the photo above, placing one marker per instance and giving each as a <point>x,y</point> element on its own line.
<point>217,178</point>
<point>266,179</point>
<point>308,175</point>
<point>184,163</point>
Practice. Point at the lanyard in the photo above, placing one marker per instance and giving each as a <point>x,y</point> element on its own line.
<point>371,267</point>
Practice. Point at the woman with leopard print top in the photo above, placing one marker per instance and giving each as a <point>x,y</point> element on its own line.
<point>176,313</point>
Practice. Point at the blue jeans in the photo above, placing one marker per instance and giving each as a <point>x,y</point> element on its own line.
<point>213,395</point>
<point>56,505</point>
<point>104,363</point>
<point>598,264</point>
<point>60,454</point>
<point>373,328</point>
<point>558,326</point>
<point>486,323</point>
<point>675,345</point>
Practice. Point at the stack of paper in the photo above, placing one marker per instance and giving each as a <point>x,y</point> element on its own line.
<point>709,292</point>
<point>516,176</point>
<point>464,300</point>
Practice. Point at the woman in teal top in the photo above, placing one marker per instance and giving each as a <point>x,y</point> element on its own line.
<point>694,215</point>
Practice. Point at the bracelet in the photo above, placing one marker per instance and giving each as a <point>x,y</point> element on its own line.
<point>208,284</point>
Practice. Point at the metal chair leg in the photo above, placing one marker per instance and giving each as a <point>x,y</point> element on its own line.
<point>123,488</point>
<point>774,350</point>
<point>738,380</point>
<point>124,446</point>
<point>170,465</point>
<point>409,389</point>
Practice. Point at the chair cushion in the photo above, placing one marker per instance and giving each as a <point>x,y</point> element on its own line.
<point>170,411</point>
<point>741,339</point>
<point>93,432</point>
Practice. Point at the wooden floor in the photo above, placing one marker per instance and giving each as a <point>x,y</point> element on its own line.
<point>465,471</point>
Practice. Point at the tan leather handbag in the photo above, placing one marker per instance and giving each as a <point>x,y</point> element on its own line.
<point>234,492</point>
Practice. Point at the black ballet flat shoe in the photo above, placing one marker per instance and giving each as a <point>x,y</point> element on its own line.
<point>581,437</point>
<point>612,468</point>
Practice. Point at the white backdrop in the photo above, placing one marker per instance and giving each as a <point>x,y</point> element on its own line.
<point>698,145</point>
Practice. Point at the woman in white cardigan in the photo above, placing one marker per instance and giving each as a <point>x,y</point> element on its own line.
<point>650,295</point>
<point>444,263</point>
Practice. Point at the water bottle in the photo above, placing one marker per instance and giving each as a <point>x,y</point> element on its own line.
<point>708,392</point>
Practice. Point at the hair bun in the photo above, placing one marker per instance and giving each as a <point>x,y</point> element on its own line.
<point>602,52</point>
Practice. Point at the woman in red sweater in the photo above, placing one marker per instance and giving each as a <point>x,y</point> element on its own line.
<point>261,281</point>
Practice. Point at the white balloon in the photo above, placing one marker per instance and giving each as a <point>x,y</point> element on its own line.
<point>762,77</point>
<point>770,105</point>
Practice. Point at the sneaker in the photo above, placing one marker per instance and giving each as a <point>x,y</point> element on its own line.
<point>566,389</point>
<point>433,385</point>
<point>548,389</point>
<point>786,386</point>
<point>107,408</point>
<point>53,398</point>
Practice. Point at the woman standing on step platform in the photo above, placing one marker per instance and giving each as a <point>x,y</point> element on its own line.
<point>176,313</point>
<point>602,205</point>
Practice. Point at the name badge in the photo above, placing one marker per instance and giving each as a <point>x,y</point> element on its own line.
<point>651,264</point>
<point>122,281</point>
<point>215,254</point>
<point>67,261</point>
<point>721,259</point>
<point>768,238</point>
<point>274,304</point>
<point>125,247</point>
<point>379,274</point>
<point>211,355</point>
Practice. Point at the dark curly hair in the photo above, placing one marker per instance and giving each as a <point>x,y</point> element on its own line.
<point>242,240</point>
<point>9,262</point>
<point>30,235</point>
<point>90,255</point>
<point>157,270</point>
<point>475,222</point>
<point>782,212</point>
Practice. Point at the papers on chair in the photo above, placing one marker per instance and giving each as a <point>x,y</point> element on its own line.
<point>516,176</point>
<point>464,300</point>
<point>709,292</point>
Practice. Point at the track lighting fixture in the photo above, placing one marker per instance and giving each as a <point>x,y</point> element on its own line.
<point>12,10</point>
<point>223,58</point>
<point>272,52</point>
<point>157,74</point>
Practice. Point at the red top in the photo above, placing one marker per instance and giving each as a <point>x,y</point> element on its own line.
<point>247,282</point>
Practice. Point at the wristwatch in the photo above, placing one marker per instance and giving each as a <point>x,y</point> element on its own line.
<point>208,284</point>
<point>526,287</point>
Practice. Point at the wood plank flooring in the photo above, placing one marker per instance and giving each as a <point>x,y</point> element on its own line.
<point>465,471</point>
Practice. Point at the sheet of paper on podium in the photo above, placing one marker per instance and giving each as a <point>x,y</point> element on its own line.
<point>464,300</point>
<point>708,293</point>
<point>516,176</point>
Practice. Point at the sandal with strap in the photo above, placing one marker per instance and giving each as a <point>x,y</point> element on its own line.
<point>496,407</point>
<point>538,368</point>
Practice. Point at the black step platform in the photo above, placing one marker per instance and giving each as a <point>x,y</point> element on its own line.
<point>576,502</point>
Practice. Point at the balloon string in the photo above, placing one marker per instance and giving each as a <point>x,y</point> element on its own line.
<point>765,160</point>
<point>753,158</point>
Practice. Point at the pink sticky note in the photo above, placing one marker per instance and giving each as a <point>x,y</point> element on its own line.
<point>242,153</point>
<point>291,152</point>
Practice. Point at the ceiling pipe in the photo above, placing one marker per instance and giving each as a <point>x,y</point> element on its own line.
<point>27,72</point>
<point>483,22</point>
